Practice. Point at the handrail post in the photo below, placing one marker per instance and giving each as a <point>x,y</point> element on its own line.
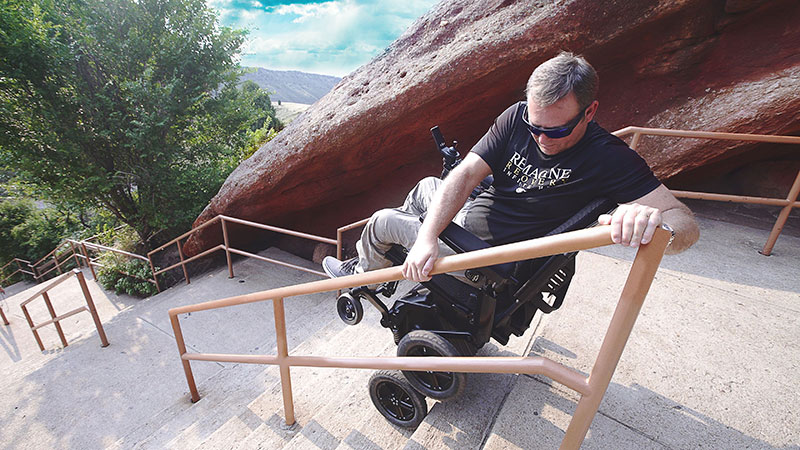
<point>339,244</point>
<point>283,353</point>
<point>782,217</point>
<point>88,260</point>
<point>635,140</point>
<point>183,263</point>
<point>77,261</point>
<point>58,267</point>
<point>339,238</point>
<point>227,247</point>
<point>92,309</point>
<point>52,312</point>
<point>153,271</point>
<point>30,324</point>
<point>187,368</point>
<point>640,277</point>
<point>3,315</point>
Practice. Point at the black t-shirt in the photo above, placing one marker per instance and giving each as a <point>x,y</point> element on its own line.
<point>533,193</point>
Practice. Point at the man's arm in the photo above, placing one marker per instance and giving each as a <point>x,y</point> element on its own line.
<point>448,200</point>
<point>636,222</point>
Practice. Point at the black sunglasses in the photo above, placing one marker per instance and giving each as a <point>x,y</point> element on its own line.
<point>554,132</point>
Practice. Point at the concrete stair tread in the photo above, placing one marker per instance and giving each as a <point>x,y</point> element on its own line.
<point>344,390</point>
<point>218,430</point>
<point>233,386</point>
<point>466,421</point>
<point>205,427</point>
<point>326,424</point>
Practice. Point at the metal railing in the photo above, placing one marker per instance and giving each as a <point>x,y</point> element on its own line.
<point>44,266</point>
<point>19,270</point>
<point>591,388</point>
<point>340,235</point>
<point>787,203</point>
<point>55,319</point>
<point>79,250</point>
<point>223,221</point>
<point>86,246</point>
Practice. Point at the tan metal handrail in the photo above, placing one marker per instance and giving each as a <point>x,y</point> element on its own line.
<point>80,251</point>
<point>46,265</point>
<point>19,269</point>
<point>340,232</point>
<point>85,246</point>
<point>592,388</point>
<point>55,319</point>
<point>788,203</point>
<point>223,221</point>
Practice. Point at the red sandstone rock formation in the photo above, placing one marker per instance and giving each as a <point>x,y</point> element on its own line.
<point>689,64</point>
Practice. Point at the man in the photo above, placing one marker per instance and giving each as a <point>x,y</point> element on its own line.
<point>548,159</point>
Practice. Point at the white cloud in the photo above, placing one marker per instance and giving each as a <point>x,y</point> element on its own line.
<point>332,37</point>
<point>310,11</point>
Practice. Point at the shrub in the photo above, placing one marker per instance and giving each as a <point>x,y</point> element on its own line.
<point>115,266</point>
<point>112,276</point>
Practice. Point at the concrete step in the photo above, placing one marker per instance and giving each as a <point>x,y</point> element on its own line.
<point>369,429</point>
<point>465,422</point>
<point>222,426</point>
<point>184,425</point>
<point>320,395</point>
<point>272,432</point>
<point>320,422</point>
<point>333,397</point>
<point>230,386</point>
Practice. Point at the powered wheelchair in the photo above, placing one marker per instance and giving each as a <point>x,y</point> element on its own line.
<point>448,316</point>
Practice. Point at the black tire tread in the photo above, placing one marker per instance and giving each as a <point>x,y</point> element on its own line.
<point>420,407</point>
<point>441,346</point>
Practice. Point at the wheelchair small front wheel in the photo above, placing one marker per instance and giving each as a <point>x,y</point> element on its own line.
<point>396,399</point>
<point>436,385</point>
<point>350,309</point>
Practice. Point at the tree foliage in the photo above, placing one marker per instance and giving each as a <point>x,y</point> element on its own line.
<point>130,105</point>
<point>28,232</point>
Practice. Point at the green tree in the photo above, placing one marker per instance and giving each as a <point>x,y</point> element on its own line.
<point>131,105</point>
<point>29,232</point>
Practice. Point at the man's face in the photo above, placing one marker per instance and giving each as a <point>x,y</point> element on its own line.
<point>559,114</point>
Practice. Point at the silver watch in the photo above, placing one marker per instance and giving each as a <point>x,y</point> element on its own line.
<point>671,233</point>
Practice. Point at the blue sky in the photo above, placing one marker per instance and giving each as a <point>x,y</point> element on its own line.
<point>327,37</point>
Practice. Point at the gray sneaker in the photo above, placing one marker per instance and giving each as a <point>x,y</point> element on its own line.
<point>335,268</point>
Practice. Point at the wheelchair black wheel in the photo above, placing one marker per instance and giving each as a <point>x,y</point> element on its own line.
<point>350,309</point>
<point>436,385</point>
<point>396,399</point>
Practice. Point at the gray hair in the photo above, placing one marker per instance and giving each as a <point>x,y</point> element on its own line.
<point>555,78</point>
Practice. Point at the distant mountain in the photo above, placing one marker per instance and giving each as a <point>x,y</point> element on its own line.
<point>292,86</point>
